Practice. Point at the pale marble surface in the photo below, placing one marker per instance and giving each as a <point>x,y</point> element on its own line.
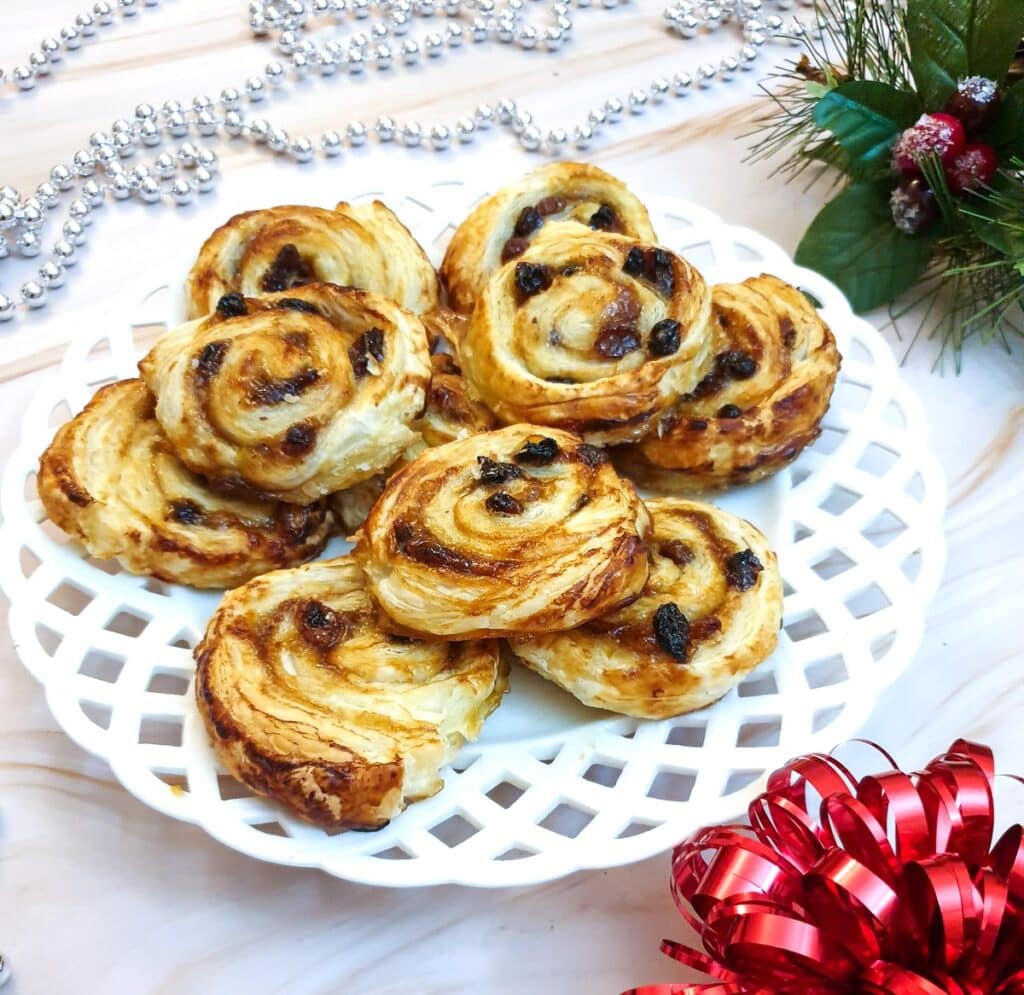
<point>99,894</point>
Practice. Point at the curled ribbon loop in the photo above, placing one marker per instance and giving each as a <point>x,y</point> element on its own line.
<point>886,885</point>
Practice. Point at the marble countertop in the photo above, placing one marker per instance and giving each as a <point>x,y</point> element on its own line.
<point>99,894</point>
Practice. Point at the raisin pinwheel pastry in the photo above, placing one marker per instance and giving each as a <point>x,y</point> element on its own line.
<point>561,196</point>
<point>709,613</point>
<point>453,412</point>
<point>279,248</point>
<point>111,480</point>
<point>309,702</point>
<point>595,334</point>
<point>775,364</point>
<point>523,529</point>
<point>293,395</point>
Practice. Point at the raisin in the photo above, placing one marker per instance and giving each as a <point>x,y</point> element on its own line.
<point>697,424</point>
<point>502,503</point>
<point>735,364</point>
<point>271,392</point>
<point>677,551</point>
<point>654,266</point>
<point>527,223</point>
<point>299,439</point>
<point>538,453</point>
<point>550,205</point>
<point>512,248</point>
<point>741,570</point>
<point>615,341</point>
<point>210,360</point>
<point>186,512</point>
<point>634,264</point>
<point>531,278</point>
<point>232,306</point>
<point>295,304</point>
<point>672,631</point>
<point>321,626</point>
<point>604,219</point>
<point>788,332</point>
<point>591,455</point>
<point>664,338</point>
<point>287,270</point>
<point>370,343</point>
<point>493,472</point>
<point>729,411</point>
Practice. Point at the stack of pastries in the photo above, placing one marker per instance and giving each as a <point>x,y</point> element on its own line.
<point>478,432</point>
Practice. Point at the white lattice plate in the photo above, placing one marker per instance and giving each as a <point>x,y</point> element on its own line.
<point>551,787</point>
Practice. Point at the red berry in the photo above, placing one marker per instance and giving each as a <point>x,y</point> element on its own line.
<point>913,206</point>
<point>973,168</point>
<point>933,134</point>
<point>976,103</point>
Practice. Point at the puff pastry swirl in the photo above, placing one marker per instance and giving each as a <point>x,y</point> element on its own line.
<point>519,530</point>
<point>111,480</point>
<point>561,196</point>
<point>293,395</point>
<point>279,248</point>
<point>762,402</point>
<point>593,333</point>
<point>709,613</point>
<point>307,701</point>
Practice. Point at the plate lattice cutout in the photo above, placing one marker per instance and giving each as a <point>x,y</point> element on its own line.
<point>552,787</point>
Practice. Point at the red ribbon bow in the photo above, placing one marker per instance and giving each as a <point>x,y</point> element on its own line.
<point>888,886</point>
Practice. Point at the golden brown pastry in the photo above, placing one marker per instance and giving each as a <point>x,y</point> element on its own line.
<point>561,196</point>
<point>523,529</point>
<point>775,365</point>
<point>709,613</point>
<point>279,248</point>
<point>307,701</point>
<point>111,480</point>
<point>453,412</point>
<point>294,395</point>
<point>593,333</point>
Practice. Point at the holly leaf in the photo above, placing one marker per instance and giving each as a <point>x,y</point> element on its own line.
<point>952,39</point>
<point>865,117</point>
<point>854,243</point>
<point>1006,136</point>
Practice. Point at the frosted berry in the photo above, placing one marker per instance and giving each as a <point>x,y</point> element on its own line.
<point>913,206</point>
<point>975,102</point>
<point>974,167</point>
<point>933,134</point>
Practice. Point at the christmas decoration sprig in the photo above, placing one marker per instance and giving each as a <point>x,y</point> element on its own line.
<point>920,109</point>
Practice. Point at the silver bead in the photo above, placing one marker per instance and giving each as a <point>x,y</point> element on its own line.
<point>773,23</point>
<point>104,153</point>
<point>187,154</point>
<point>564,24</point>
<point>258,25</point>
<point>727,67</point>
<point>287,41</point>
<point>206,123</point>
<point>33,294</point>
<point>410,51</point>
<point>181,191</point>
<point>659,89</point>
<point>637,101</point>
<point>479,29</point>
<point>277,140</point>
<point>230,97</point>
<point>139,173</point>
<point>330,144</point>
<point>356,133</point>
<point>46,194</point>
<point>80,211</point>
<point>254,89</point>
<point>176,125</point>
<point>10,194</point>
<point>301,150</point>
<point>121,127</point>
<point>258,130</point>
<point>61,176</point>
<point>51,274</point>
<point>555,140</point>
<point>24,77</point>
<point>385,128</point>
<point>86,23</point>
<point>326,63</point>
<point>70,38</point>
<point>582,136</point>
<point>682,83</point>
<point>300,65</point>
<point>484,116</point>
<point>5,249</point>
<point>465,129</point>
<point>8,214</point>
<point>530,138</point>
<point>705,75</point>
<point>399,23</point>
<point>205,180</point>
<point>149,132</point>
<point>454,35</point>
<point>613,108</point>
<point>74,231</point>
<point>206,159</point>
<point>688,26</point>
<point>521,120</point>
<point>273,72</point>
<point>757,38</point>
<point>433,45</point>
<point>164,166</point>
<point>748,56</point>
<point>527,37</point>
<point>452,8</point>
<point>202,103</point>
<point>7,307</point>
<point>355,62</point>
<point>92,193</point>
<point>383,57</point>
<point>359,8</point>
<point>506,30</point>
<point>103,11</point>
<point>128,8</point>
<point>170,107</point>
<point>149,190</point>
<point>506,110</point>
<point>31,213</point>
<point>39,64</point>
<point>598,119</point>
<point>712,15</point>
<point>50,47</point>
<point>412,134</point>
<point>440,137</point>
<point>120,187</point>
<point>144,112</point>
<point>233,123</point>
<point>28,243</point>
<point>425,8</point>
<point>65,252</point>
<point>553,38</point>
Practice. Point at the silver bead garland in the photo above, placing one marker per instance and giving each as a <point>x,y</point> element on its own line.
<point>100,170</point>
